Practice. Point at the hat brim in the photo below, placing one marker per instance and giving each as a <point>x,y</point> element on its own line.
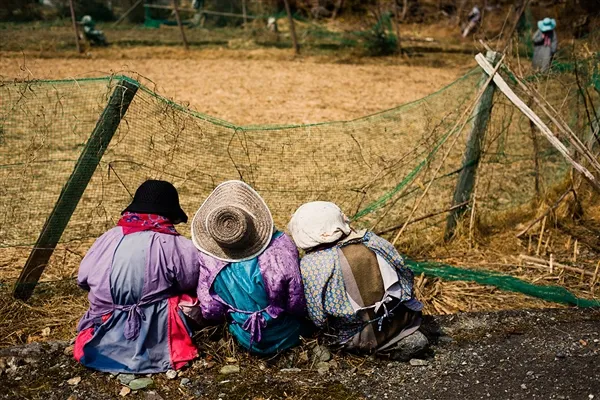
<point>237,194</point>
<point>175,215</point>
<point>546,27</point>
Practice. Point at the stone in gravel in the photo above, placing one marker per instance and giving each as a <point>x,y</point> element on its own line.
<point>74,381</point>
<point>417,362</point>
<point>321,353</point>
<point>409,347</point>
<point>68,351</point>
<point>124,391</point>
<point>151,395</point>
<point>445,339</point>
<point>125,378</point>
<point>209,364</point>
<point>290,370</point>
<point>322,368</point>
<point>184,382</point>
<point>230,369</point>
<point>171,374</point>
<point>140,383</point>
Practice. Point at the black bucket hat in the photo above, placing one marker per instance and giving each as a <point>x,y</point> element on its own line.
<point>157,197</point>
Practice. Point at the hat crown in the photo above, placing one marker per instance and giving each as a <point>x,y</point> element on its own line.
<point>233,224</point>
<point>158,197</point>
<point>156,192</point>
<point>229,226</point>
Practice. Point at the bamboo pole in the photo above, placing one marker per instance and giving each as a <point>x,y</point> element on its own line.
<point>292,26</point>
<point>503,86</point>
<point>74,26</point>
<point>178,18</point>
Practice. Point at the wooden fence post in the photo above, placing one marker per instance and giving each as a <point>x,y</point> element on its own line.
<point>292,26</point>
<point>75,26</point>
<point>397,20</point>
<point>178,18</point>
<point>245,14</point>
<point>472,155</point>
<point>74,187</point>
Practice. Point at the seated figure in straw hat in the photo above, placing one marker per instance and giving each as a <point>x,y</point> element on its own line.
<point>249,272</point>
<point>141,277</point>
<point>356,285</point>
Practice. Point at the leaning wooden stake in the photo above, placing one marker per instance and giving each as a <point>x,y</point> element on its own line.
<point>544,130</point>
<point>292,26</point>
<point>133,7</point>
<point>244,14</point>
<point>178,18</point>
<point>472,154</point>
<point>75,26</point>
<point>73,190</point>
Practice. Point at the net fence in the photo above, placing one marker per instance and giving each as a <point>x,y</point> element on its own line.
<point>375,168</point>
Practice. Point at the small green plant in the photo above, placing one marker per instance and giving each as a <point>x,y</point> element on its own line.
<point>379,40</point>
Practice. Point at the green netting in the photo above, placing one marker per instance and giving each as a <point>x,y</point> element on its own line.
<point>365,165</point>
<point>374,167</point>
<point>555,294</point>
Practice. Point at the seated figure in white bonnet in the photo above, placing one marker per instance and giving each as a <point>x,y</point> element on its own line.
<point>357,287</point>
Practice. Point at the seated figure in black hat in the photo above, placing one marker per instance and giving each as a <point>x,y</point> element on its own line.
<point>139,276</point>
<point>249,272</point>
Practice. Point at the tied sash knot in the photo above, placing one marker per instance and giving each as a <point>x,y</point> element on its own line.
<point>133,322</point>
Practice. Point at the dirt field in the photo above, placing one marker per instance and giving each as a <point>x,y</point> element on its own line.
<point>273,90</point>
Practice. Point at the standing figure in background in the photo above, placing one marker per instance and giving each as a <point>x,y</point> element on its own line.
<point>358,290</point>
<point>272,25</point>
<point>249,272</point>
<point>94,36</point>
<point>474,20</point>
<point>545,44</point>
<point>141,277</point>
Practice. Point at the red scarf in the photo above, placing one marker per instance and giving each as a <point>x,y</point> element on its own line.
<point>134,222</point>
<point>547,39</point>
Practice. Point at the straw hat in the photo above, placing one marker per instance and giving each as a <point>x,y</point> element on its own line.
<point>547,24</point>
<point>233,224</point>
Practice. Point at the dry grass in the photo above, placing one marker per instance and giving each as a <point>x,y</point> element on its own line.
<point>353,163</point>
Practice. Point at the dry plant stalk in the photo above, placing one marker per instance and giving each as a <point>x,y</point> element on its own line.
<point>537,263</point>
<point>539,245</point>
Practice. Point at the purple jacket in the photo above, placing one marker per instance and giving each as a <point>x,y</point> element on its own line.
<point>279,267</point>
<point>171,269</point>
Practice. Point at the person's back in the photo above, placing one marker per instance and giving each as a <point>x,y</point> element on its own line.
<point>249,273</point>
<point>356,285</point>
<point>137,275</point>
